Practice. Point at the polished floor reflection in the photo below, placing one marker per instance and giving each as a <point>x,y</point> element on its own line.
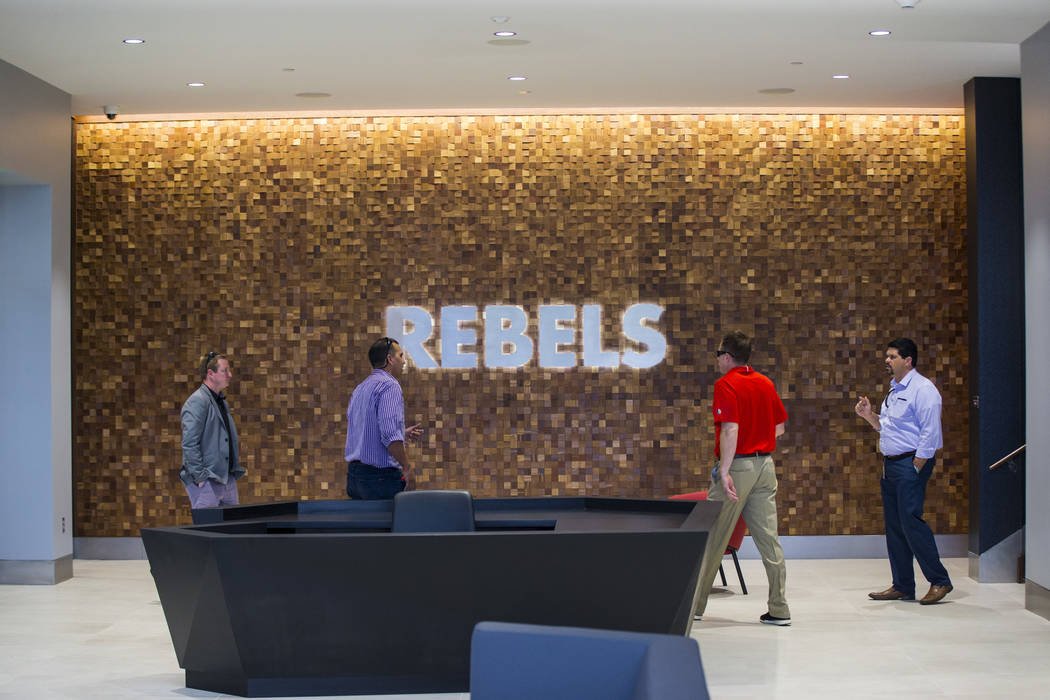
<point>102,635</point>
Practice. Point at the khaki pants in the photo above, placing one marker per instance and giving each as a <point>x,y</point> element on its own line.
<point>756,485</point>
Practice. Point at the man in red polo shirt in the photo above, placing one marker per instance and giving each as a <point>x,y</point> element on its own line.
<point>749,417</point>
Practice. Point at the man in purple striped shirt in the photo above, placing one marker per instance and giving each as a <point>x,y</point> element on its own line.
<point>375,428</point>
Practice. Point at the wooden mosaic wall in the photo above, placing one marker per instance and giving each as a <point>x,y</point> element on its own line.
<point>281,242</point>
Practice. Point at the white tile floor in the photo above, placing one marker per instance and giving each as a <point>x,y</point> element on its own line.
<point>102,635</point>
<point>979,643</point>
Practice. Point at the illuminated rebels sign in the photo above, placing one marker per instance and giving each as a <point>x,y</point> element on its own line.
<point>507,342</point>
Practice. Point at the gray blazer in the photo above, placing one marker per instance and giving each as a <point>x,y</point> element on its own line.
<point>205,442</point>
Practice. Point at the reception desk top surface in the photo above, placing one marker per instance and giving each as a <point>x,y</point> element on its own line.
<point>561,514</point>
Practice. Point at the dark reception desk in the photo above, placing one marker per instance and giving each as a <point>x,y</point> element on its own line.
<point>320,598</point>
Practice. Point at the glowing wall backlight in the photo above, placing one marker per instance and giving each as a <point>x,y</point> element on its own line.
<point>507,343</point>
<point>798,229</point>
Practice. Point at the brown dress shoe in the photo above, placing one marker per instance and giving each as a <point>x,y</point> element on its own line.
<point>891,593</point>
<point>935,594</point>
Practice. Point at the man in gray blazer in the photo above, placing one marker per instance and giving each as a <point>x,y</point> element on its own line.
<point>210,458</point>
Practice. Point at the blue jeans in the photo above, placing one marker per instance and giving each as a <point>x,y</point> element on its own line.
<point>365,482</point>
<point>907,534</point>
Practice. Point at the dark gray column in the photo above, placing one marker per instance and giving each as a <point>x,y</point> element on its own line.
<point>996,326</point>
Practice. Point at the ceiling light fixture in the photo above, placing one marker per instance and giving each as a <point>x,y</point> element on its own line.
<point>134,41</point>
<point>517,77</point>
<point>198,84</point>
<point>879,32</point>
<point>505,33</point>
<point>841,76</point>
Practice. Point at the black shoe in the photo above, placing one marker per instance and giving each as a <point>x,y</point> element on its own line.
<point>771,620</point>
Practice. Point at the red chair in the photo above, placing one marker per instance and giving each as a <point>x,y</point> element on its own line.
<point>735,540</point>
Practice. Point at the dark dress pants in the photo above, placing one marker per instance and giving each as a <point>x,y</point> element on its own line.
<point>907,534</point>
<point>365,482</point>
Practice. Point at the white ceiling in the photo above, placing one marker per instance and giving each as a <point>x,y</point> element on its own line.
<point>419,55</point>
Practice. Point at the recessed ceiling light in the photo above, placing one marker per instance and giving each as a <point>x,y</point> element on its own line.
<point>500,19</point>
<point>288,70</point>
<point>194,84</point>
<point>313,94</point>
<point>879,32</point>
<point>796,63</point>
<point>841,76</point>
<point>505,33</point>
<point>134,41</point>
<point>517,77</point>
<point>524,92</point>
<point>777,91</point>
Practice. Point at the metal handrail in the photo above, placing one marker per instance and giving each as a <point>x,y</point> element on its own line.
<point>1008,457</point>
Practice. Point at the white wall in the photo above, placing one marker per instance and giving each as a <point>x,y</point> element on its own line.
<point>26,506</point>
<point>35,411</point>
<point>1035,106</point>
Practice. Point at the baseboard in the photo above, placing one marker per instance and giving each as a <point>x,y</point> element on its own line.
<point>108,548</point>
<point>848,546</point>
<point>38,573</point>
<point>1000,563</point>
<point>1036,599</point>
<point>795,547</point>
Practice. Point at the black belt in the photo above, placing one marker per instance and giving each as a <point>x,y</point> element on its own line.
<point>901,456</point>
<point>370,467</point>
<point>752,454</point>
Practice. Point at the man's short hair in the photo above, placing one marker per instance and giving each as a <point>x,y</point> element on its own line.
<point>738,345</point>
<point>377,354</point>
<point>210,361</point>
<point>906,347</point>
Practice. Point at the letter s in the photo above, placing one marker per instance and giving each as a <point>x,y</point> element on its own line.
<point>636,330</point>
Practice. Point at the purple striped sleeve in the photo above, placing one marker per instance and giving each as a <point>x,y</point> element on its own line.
<point>375,417</point>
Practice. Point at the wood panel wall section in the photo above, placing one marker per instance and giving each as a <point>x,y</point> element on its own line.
<point>281,242</point>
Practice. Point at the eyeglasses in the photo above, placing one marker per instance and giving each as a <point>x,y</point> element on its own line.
<point>206,365</point>
<point>719,353</point>
<point>389,343</point>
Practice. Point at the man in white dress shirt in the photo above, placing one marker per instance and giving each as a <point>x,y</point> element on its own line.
<point>909,428</point>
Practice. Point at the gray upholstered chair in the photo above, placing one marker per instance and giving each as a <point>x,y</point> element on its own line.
<point>433,511</point>
<point>525,662</point>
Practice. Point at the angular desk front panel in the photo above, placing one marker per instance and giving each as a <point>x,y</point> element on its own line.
<point>320,598</point>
